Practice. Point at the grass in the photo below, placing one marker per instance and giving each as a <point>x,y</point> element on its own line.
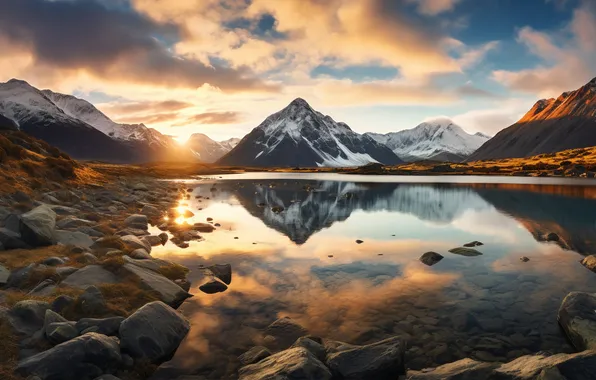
<point>9,353</point>
<point>126,297</point>
<point>18,258</point>
<point>173,271</point>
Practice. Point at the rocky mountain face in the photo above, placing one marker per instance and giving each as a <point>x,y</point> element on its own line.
<point>552,125</point>
<point>206,149</point>
<point>301,136</point>
<point>440,140</point>
<point>81,130</point>
<point>230,144</point>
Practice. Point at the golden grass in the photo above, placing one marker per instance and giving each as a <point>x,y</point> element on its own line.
<point>127,296</point>
<point>173,271</point>
<point>18,258</point>
<point>113,263</point>
<point>9,353</point>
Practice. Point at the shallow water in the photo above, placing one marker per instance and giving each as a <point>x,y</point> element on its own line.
<point>304,263</point>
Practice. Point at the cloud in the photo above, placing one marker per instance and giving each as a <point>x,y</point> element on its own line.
<point>468,90</point>
<point>492,120</point>
<point>136,107</point>
<point>149,119</point>
<point>434,7</point>
<point>212,118</point>
<point>112,43</point>
<point>568,58</point>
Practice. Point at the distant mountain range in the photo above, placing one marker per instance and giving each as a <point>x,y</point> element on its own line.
<point>439,139</point>
<point>301,136</point>
<point>550,126</point>
<point>208,150</point>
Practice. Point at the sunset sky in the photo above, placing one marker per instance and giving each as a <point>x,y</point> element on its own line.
<point>221,66</point>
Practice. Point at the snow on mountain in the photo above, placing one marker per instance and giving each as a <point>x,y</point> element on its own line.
<point>439,139</point>
<point>206,149</point>
<point>301,136</point>
<point>230,143</point>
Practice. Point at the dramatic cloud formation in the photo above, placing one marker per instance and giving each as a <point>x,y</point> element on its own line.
<point>213,118</point>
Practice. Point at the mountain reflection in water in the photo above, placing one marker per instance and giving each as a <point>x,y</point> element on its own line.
<point>491,307</point>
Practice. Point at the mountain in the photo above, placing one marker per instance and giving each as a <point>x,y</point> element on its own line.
<point>81,130</point>
<point>440,139</point>
<point>207,150</point>
<point>230,143</point>
<point>301,136</point>
<point>550,126</point>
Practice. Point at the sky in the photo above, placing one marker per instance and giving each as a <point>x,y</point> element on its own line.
<point>220,67</point>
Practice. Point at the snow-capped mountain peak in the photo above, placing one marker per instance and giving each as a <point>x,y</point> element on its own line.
<point>300,136</point>
<point>437,139</point>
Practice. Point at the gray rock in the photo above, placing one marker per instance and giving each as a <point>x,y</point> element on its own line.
<point>152,264</point>
<point>82,358</point>
<point>474,243</point>
<point>133,242</point>
<point>222,271</point>
<point>90,275</point>
<point>78,239</point>
<point>312,344</point>
<point>543,366</point>
<point>27,317</point>
<point>163,237</point>
<point>63,210</point>
<point>254,355</point>
<point>107,377</point>
<point>137,220</point>
<point>463,251</point>
<point>140,187</point>
<point>383,360</point>
<point>52,317</point>
<point>12,222</point>
<point>62,303</point>
<point>60,332</point>
<point>169,292</point>
<point>19,277</point>
<point>44,288</point>
<point>53,261</point>
<point>37,226</point>
<point>293,364</point>
<point>4,275</point>
<point>465,369</point>
<point>183,283</point>
<point>151,211</point>
<point>64,272</point>
<point>90,231</point>
<point>152,240</point>
<point>153,332</point>
<point>11,240</point>
<point>590,262</point>
<point>577,317</point>
<point>431,258</point>
<point>105,326</point>
<point>140,254</point>
<point>73,222</point>
<point>213,286</point>
<point>285,331</point>
<point>92,302</point>
<point>89,258</point>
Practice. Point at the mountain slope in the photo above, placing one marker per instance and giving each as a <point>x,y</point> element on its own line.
<point>205,149</point>
<point>301,136</point>
<point>550,126</point>
<point>230,144</point>
<point>440,139</point>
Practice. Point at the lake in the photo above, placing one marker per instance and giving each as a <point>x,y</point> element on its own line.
<point>291,241</point>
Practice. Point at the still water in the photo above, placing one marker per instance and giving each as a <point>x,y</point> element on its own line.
<point>304,262</point>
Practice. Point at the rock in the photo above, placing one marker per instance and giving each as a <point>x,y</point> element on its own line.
<point>552,237</point>
<point>465,369</point>
<point>62,303</point>
<point>183,283</point>
<point>203,227</point>
<point>153,332</point>
<point>313,345</point>
<point>254,355</point>
<point>107,377</point>
<point>90,275</point>
<point>137,220</point>
<point>152,264</point>
<point>27,317</point>
<point>524,259</point>
<point>82,358</point>
<point>383,360</point>
<point>37,226</point>
<point>469,252</point>
<point>431,258</point>
<point>474,243</point>
<point>222,271</point>
<point>213,287</point>
<point>169,292</point>
<point>22,197</point>
<point>163,237</point>
<point>106,326</point>
<point>285,331</point>
<point>140,254</point>
<point>152,240</point>
<point>44,288</point>
<point>53,261</point>
<point>140,187</point>
<point>359,241</point>
<point>12,222</point>
<point>73,222</point>
<point>61,332</point>
<point>133,231</point>
<point>77,239</point>
<point>90,231</point>
<point>92,302</point>
<point>64,272</point>
<point>277,209</point>
<point>543,366</point>
<point>293,364</point>
<point>11,240</point>
<point>4,275</point>
<point>188,214</point>
<point>577,317</point>
<point>590,262</point>
<point>19,277</point>
<point>133,242</point>
<point>89,258</point>
<point>151,211</point>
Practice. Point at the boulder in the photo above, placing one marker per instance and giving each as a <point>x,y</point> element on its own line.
<point>4,275</point>
<point>133,242</point>
<point>152,240</point>
<point>285,331</point>
<point>152,264</point>
<point>431,258</point>
<point>11,240</point>
<point>203,227</point>
<point>37,226</point>
<point>106,326</point>
<point>212,287</point>
<point>169,292</point>
<point>465,369</point>
<point>92,302</point>
<point>153,332</point>
<point>78,239</point>
<point>82,358</point>
<point>590,262</point>
<point>107,377</point>
<point>151,211</point>
<point>140,254</point>
<point>19,277</point>
<point>73,222</point>
<point>90,275</point>
<point>222,271</point>
<point>295,363</point>
<point>61,332</point>
<point>383,360</point>
<point>254,355</point>
<point>474,243</point>
<point>312,344</point>
<point>577,317</point>
<point>543,366</point>
<point>163,237</point>
<point>140,187</point>
<point>12,222</point>
<point>44,288</point>
<point>463,251</point>
<point>137,221</point>
<point>53,261</point>
<point>62,303</point>
<point>27,317</point>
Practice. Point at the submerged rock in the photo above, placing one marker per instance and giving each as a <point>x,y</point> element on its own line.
<point>295,363</point>
<point>474,243</point>
<point>222,271</point>
<point>463,251</point>
<point>213,287</point>
<point>577,317</point>
<point>431,258</point>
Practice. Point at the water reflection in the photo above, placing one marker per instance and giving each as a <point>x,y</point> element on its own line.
<point>492,307</point>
